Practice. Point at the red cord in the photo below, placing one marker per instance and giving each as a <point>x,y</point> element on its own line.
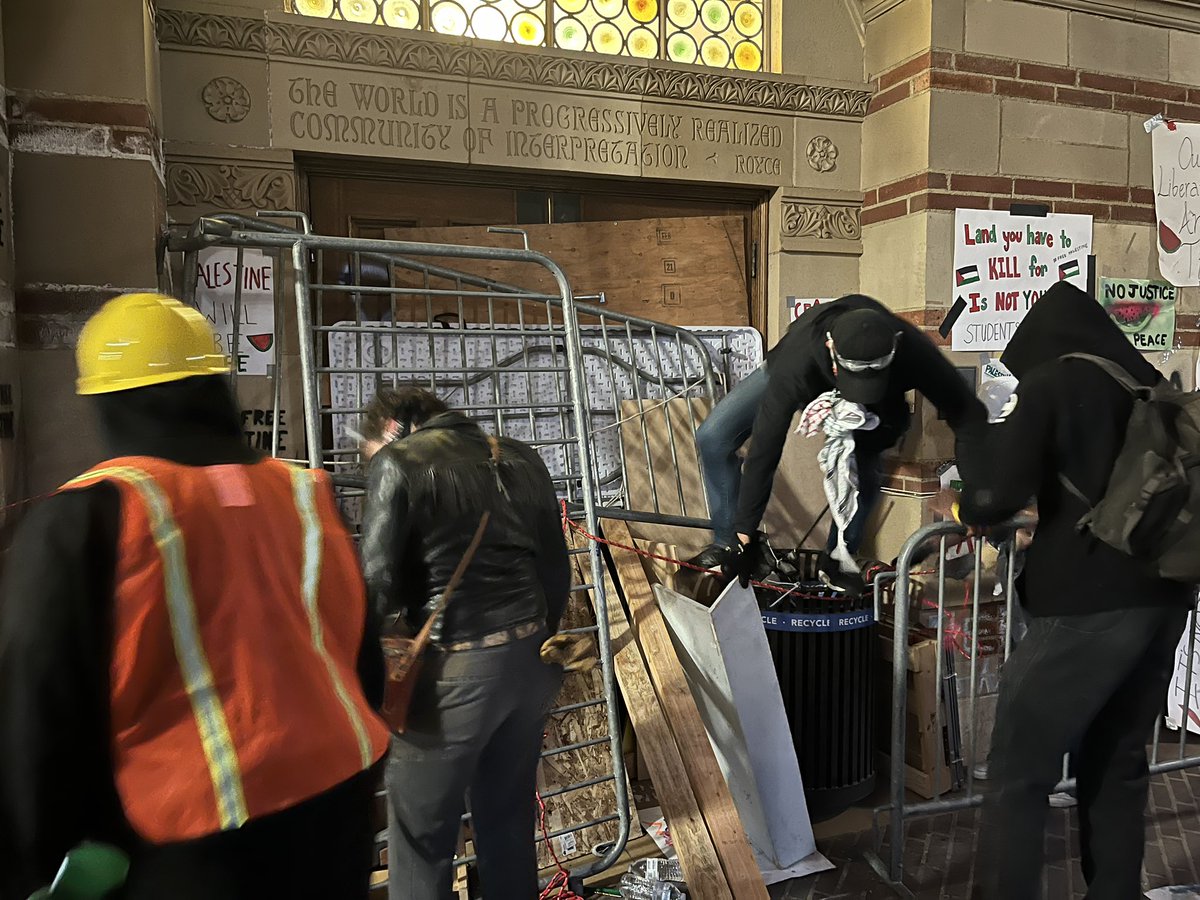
<point>570,523</point>
<point>559,887</point>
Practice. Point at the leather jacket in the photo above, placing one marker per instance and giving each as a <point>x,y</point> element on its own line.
<point>425,496</point>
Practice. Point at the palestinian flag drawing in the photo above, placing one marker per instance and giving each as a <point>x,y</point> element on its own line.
<point>261,342</point>
<point>966,275</point>
<point>1068,270</point>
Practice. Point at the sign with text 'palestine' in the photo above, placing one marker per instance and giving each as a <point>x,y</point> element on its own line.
<point>1143,310</point>
<point>1004,263</point>
<point>217,299</point>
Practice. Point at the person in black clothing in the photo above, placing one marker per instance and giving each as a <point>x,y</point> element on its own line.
<point>871,357</point>
<point>480,704</point>
<point>57,783</point>
<point>1091,674</point>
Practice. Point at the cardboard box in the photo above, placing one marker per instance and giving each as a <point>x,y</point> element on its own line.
<point>926,755</point>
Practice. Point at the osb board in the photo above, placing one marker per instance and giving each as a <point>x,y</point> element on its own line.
<point>797,495</point>
<point>564,769</point>
<point>681,271</point>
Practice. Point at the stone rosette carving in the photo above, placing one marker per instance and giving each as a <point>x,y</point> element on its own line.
<point>822,154</point>
<point>226,99</point>
<point>405,52</point>
<point>821,221</point>
<point>228,187</point>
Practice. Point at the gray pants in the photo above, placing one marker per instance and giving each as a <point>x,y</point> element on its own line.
<point>476,727</point>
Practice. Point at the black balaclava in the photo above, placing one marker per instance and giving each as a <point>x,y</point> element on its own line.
<point>194,421</point>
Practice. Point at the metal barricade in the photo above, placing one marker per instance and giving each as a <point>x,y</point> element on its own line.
<point>530,363</point>
<point>961,792</point>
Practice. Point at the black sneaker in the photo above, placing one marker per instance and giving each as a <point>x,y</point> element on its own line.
<point>829,571</point>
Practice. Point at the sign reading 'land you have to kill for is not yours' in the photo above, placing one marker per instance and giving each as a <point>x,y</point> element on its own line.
<point>1004,263</point>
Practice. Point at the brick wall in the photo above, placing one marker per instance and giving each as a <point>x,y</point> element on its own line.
<point>1055,86</point>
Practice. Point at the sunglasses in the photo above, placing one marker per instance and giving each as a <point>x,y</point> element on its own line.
<point>863,365</point>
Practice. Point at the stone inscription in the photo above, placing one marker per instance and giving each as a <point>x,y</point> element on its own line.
<point>379,114</point>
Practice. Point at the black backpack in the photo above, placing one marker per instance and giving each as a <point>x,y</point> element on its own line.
<point>1150,509</point>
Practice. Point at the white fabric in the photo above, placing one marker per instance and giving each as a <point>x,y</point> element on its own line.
<point>839,419</point>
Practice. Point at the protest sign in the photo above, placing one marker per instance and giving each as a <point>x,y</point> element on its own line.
<point>799,305</point>
<point>1143,310</point>
<point>215,298</point>
<point>1004,263</point>
<point>1176,152</point>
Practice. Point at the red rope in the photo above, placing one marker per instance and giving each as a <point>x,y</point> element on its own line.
<point>559,887</point>
<point>570,523</point>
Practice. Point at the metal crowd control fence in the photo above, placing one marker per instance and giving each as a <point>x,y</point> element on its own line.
<point>957,754</point>
<point>531,363</point>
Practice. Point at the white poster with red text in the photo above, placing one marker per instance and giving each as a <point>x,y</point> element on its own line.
<point>1003,264</point>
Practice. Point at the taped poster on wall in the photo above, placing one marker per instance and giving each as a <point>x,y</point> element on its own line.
<point>1003,264</point>
<point>216,293</point>
<point>1176,151</point>
<point>1143,310</point>
<point>1179,682</point>
<point>797,306</point>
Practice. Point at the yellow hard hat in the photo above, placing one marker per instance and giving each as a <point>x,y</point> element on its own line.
<point>137,340</point>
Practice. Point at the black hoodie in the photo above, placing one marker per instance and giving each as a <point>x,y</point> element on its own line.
<point>1067,417</point>
<point>800,369</point>
<point>56,774</point>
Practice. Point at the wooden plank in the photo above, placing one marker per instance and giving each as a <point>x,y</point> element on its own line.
<point>712,791</point>
<point>693,843</point>
<point>682,271</point>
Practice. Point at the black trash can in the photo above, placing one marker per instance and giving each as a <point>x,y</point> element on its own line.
<point>823,648</point>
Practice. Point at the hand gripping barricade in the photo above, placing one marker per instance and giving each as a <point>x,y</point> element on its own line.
<point>964,641</point>
<point>575,380</point>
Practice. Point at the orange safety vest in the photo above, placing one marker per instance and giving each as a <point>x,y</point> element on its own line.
<point>238,617</point>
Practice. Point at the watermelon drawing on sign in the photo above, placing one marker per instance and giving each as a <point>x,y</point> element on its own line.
<point>261,342</point>
<point>1132,316</point>
<point>1168,239</point>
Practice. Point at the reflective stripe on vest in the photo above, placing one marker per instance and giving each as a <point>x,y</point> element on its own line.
<point>219,751</point>
<point>303,487</point>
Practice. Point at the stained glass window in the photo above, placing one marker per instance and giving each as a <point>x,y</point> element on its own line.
<point>722,34</point>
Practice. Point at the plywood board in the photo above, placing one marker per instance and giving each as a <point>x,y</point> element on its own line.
<point>693,843</point>
<point>673,484</point>
<point>577,766</point>
<point>670,683</point>
<point>681,271</point>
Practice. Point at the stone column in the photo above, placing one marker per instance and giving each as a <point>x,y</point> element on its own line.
<point>88,200</point>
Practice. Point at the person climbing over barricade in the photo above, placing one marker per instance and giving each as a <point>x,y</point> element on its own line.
<point>848,364</point>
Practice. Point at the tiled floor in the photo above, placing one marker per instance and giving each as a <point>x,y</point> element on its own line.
<point>940,852</point>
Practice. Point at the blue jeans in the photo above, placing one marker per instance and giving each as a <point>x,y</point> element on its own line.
<point>722,435</point>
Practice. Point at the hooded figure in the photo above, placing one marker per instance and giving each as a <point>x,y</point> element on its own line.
<point>1093,669</point>
<point>187,662</point>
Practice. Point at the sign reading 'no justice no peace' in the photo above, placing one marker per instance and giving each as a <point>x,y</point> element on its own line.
<point>1004,263</point>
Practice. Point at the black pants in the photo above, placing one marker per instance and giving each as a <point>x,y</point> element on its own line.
<point>1092,685</point>
<point>476,727</point>
<point>318,850</point>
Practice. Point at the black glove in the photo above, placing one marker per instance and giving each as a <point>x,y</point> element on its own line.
<point>739,563</point>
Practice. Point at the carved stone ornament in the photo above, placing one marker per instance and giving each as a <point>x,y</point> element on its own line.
<point>309,39</point>
<point>822,154</point>
<point>821,221</point>
<point>226,99</point>
<point>228,187</point>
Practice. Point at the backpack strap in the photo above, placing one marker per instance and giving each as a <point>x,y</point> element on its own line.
<point>1117,373</point>
<point>1074,491</point>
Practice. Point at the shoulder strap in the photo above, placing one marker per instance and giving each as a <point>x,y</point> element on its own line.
<point>1074,491</point>
<point>1117,373</point>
